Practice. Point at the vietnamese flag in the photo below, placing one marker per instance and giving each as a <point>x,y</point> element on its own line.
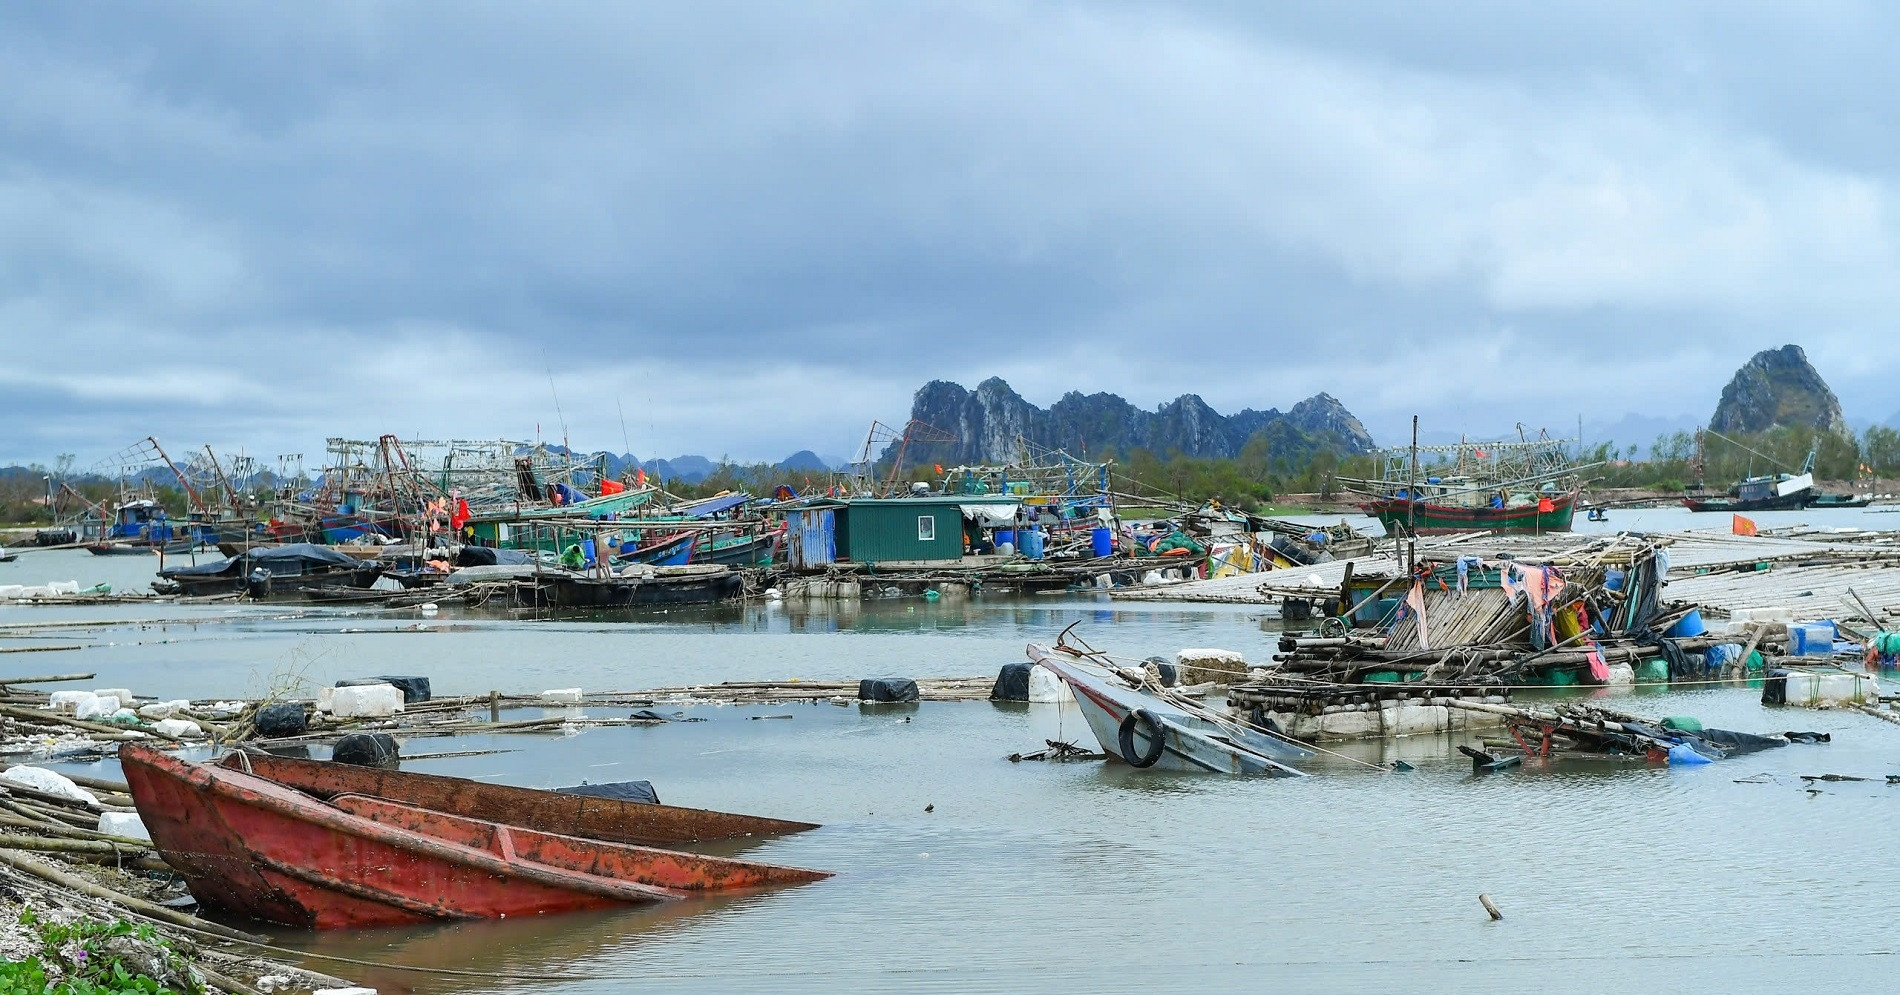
<point>1745,526</point>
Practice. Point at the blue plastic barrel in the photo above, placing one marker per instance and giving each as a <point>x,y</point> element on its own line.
<point>1690,625</point>
<point>1031,543</point>
<point>587,550</point>
<point>1005,536</point>
<point>1102,541</point>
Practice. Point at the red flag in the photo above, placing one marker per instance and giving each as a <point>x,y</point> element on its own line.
<point>461,516</point>
<point>1744,526</point>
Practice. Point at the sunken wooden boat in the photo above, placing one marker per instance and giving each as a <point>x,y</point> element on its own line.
<point>549,811</point>
<point>638,585</point>
<point>335,857</point>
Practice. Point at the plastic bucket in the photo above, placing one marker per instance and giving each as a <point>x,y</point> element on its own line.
<point>1102,541</point>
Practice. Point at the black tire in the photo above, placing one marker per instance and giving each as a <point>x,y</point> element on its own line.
<point>1156,740</point>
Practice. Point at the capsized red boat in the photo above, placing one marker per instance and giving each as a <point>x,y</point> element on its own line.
<point>249,844</point>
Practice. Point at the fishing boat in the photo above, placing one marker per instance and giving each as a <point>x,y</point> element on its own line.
<point>1772,492</point>
<point>639,586</point>
<point>595,817</point>
<point>1440,513</point>
<point>1766,492</point>
<point>275,571</point>
<point>739,550</point>
<point>1528,486</point>
<point>328,850</point>
<point>139,547</point>
<point>1145,730</point>
<point>140,528</point>
<point>671,551</point>
<point>1822,500</point>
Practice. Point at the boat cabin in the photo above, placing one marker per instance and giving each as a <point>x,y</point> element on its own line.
<point>883,531</point>
<point>142,519</point>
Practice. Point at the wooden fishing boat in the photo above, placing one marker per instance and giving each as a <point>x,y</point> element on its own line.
<point>548,811</point>
<point>128,548</point>
<point>688,585</point>
<point>741,550</point>
<point>1824,500</point>
<point>259,847</point>
<point>673,550</point>
<point>275,571</point>
<point>1144,730</point>
<point>1548,513</point>
<point>1525,486</point>
<point>1777,492</point>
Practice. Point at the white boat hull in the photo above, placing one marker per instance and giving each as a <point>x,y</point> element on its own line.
<point>1161,735</point>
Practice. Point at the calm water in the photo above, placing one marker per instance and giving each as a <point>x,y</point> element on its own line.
<point>1077,877</point>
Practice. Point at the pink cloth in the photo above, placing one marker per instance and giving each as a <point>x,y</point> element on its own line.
<point>1416,601</point>
<point>1599,671</point>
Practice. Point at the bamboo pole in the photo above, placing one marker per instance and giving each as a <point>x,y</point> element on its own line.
<point>34,715</point>
<point>138,905</point>
<point>72,832</point>
<point>43,845</point>
<point>54,679</point>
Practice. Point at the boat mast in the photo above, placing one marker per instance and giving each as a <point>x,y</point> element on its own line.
<point>1411,504</point>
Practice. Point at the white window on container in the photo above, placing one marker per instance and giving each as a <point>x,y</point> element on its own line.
<point>926,528</point>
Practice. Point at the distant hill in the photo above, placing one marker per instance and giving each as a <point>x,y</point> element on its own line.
<point>803,461</point>
<point>1778,388</point>
<point>691,468</point>
<point>988,420</point>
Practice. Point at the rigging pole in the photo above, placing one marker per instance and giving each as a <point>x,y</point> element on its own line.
<point>190,492</point>
<point>222,479</point>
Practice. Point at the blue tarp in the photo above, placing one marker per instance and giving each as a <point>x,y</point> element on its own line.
<point>307,553</point>
<point>713,506</point>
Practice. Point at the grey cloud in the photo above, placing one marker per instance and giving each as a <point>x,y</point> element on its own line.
<point>763,225</point>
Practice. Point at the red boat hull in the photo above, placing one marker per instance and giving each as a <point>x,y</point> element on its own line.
<point>258,848</point>
<point>547,811</point>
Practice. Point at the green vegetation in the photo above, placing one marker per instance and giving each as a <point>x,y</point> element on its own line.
<point>1670,462</point>
<point>90,958</point>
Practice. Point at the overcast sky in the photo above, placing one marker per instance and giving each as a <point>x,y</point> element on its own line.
<point>754,228</point>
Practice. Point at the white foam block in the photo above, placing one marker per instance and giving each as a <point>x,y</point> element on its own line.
<point>98,708</point>
<point>178,728</point>
<point>366,701</point>
<point>51,782</point>
<point>69,701</point>
<point>126,824</point>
